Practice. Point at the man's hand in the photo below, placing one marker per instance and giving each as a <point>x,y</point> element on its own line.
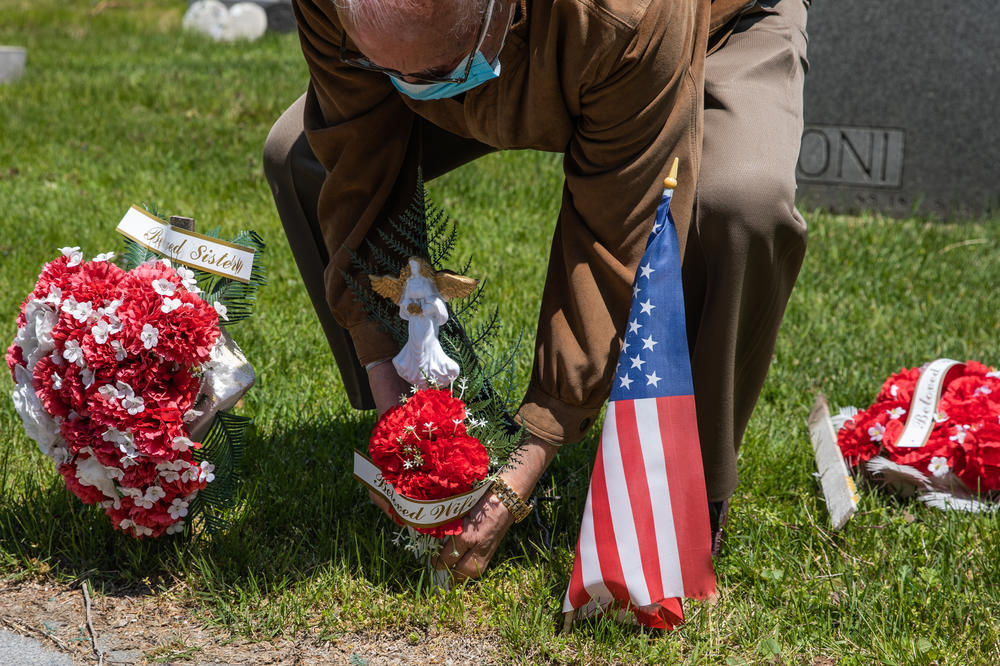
<point>468,553</point>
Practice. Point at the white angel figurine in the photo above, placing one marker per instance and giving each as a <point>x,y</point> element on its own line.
<point>421,293</point>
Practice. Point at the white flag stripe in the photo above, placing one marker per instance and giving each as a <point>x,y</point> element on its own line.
<point>648,419</point>
<point>622,519</point>
<point>590,568</point>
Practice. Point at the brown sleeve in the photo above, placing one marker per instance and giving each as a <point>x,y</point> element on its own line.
<point>346,108</point>
<point>640,108</point>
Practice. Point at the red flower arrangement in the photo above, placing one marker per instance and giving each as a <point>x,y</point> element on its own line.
<point>964,443</point>
<point>107,366</point>
<point>423,449</point>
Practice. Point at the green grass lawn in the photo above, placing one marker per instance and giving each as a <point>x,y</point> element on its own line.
<point>119,107</point>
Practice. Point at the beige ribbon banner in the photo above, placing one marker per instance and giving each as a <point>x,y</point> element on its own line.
<point>923,406</point>
<point>187,247</point>
<point>413,512</point>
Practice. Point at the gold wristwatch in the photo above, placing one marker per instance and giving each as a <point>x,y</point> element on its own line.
<point>517,506</point>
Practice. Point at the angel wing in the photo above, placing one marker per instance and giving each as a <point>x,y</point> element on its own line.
<point>388,286</point>
<point>452,285</point>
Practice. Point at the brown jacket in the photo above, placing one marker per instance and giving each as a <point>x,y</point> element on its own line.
<point>615,85</point>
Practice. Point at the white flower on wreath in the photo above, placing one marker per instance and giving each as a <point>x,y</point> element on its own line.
<point>78,311</point>
<point>959,435</point>
<point>113,395</point>
<point>164,287</point>
<point>181,444</point>
<point>114,435</point>
<point>129,455</point>
<point>938,466</point>
<point>940,417</point>
<point>152,495</point>
<point>74,254</point>
<point>221,310</point>
<point>120,353</point>
<point>187,279</point>
<point>101,330</point>
<point>895,412</point>
<point>876,432</point>
<point>174,528</point>
<point>104,256</point>
<point>130,402</point>
<point>170,470</point>
<point>190,473</point>
<point>178,508</point>
<point>111,308</point>
<point>73,353</point>
<point>150,335</point>
<point>169,305</point>
<point>55,295</point>
<point>206,472</point>
<point>983,390</point>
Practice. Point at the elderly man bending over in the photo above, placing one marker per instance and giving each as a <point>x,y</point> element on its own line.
<point>619,87</point>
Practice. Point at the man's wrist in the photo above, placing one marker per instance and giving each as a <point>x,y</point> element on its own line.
<point>531,461</point>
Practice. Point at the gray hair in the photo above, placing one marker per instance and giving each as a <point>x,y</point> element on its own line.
<point>390,15</point>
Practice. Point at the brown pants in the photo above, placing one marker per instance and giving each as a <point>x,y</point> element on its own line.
<point>744,249</point>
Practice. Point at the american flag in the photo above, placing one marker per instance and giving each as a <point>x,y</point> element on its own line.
<point>644,538</point>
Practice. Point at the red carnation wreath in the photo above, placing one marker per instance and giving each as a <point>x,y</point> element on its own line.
<point>107,366</point>
<point>961,455</point>
<point>423,449</point>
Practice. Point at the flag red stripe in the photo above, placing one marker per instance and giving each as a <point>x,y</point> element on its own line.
<point>634,467</point>
<point>577,594</point>
<point>607,546</point>
<point>686,479</point>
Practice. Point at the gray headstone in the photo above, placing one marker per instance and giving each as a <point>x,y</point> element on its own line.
<point>280,17</point>
<point>12,60</point>
<point>902,107</point>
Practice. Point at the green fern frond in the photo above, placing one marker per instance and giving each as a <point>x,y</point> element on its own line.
<point>224,447</point>
<point>135,255</point>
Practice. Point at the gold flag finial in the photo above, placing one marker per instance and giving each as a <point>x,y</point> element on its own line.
<point>670,182</point>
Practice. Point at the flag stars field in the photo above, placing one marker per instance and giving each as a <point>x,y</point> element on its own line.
<point>648,343</point>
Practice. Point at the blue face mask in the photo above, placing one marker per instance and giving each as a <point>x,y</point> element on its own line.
<point>481,72</point>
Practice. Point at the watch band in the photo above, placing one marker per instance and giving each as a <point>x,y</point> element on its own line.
<point>517,506</point>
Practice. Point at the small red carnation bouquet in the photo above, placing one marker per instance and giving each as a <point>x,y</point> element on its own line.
<point>934,431</point>
<point>424,450</point>
<point>121,375</point>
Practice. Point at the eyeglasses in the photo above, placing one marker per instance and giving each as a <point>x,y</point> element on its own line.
<point>356,59</point>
